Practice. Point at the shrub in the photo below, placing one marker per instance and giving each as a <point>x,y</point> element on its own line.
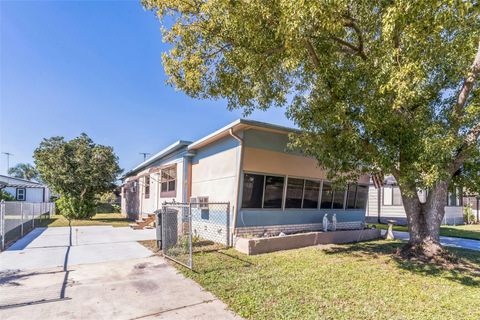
<point>6,196</point>
<point>103,207</point>
<point>468,216</point>
<point>76,208</point>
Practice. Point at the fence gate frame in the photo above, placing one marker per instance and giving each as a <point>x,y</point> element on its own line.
<point>169,234</point>
<point>183,226</point>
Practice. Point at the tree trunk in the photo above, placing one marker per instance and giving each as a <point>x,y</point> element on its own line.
<point>424,220</point>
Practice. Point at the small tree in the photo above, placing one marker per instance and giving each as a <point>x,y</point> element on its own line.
<point>5,196</point>
<point>78,170</point>
<point>24,171</point>
<point>376,86</point>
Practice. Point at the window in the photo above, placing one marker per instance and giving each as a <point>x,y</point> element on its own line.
<point>294,193</point>
<point>453,198</point>
<point>133,188</point>
<point>357,196</point>
<point>273,193</point>
<point>21,192</point>
<point>302,194</point>
<point>338,199</point>
<point>203,206</point>
<point>203,202</point>
<point>397,196</point>
<point>147,187</point>
<point>261,191</point>
<point>310,195</point>
<point>252,190</point>
<point>387,196</point>
<point>351,196</point>
<point>327,195</point>
<point>362,197</point>
<point>332,199</point>
<point>392,196</point>
<point>168,182</point>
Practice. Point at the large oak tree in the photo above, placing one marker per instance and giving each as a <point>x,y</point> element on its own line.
<point>377,86</point>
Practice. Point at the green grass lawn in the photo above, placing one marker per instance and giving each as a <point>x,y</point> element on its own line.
<point>355,281</point>
<point>100,219</point>
<point>470,231</point>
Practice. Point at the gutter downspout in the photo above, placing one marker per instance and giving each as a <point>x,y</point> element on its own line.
<point>239,172</point>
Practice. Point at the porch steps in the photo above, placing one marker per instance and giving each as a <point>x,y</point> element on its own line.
<point>144,223</point>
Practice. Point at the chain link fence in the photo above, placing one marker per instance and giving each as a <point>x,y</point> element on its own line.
<point>187,228</point>
<point>17,218</point>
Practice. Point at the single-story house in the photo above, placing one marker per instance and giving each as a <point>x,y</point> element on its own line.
<point>385,203</point>
<point>248,164</point>
<point>25,190</point>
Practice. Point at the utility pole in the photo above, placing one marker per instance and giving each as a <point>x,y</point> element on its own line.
<point>145,154</point>
<point>8,154</point>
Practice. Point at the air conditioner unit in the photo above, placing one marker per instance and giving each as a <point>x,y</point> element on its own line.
<point>193,199</point>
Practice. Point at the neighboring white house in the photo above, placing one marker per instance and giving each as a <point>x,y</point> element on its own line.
<point>24,190</point>
<point>386,203</point>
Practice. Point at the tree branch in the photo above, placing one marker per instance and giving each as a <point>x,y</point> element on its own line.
<point>359,49</point>
<point>472,136</point>
<point>312,53</point>
<point>470,140</point>
<point>467,85</point>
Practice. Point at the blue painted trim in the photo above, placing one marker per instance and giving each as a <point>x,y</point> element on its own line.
<point>269,217</point>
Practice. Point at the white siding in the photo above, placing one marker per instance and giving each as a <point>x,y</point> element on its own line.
<point>32,194</point>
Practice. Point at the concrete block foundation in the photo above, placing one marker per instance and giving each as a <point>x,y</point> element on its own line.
<point>255,246</point>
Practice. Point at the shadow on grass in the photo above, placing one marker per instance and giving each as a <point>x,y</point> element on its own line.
<point>221,261</point>
<point>45,222</point>
<point>464,269</point>
<point>109,220</point>
<point>460,233</point>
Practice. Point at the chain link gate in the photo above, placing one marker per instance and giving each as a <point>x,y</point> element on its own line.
<point>186,228</point>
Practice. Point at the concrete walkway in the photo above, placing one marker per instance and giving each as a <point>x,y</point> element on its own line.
<point>104,274</point>
<point>446,241</point>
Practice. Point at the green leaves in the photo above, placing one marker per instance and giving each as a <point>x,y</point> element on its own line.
<point>24,171</point>
<point>78,170</point>
<point>373,84</point>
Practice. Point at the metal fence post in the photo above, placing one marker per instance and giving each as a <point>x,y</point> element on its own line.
<point>228,225</point>
<point>190,233</point>
<point>2,224</point>
<point>33,216</point>
<point>21,212</point>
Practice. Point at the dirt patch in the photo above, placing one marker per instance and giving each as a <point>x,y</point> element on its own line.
<point>150,245</point>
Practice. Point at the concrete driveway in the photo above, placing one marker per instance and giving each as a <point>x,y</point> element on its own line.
<point>97,273</point>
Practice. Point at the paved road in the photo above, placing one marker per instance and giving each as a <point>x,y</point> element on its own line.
<point>447,241</point>
<point>97,273</point>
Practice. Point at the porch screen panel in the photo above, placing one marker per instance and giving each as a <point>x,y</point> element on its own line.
<point>147,187</point>
<point>327,195</point>
<point>252,190</point>
<point>351,196</point>
<point>294,193</point>
<point>362,196</point>
<point>310,198</point>
<point>338,198</point>
<point>273,192</point>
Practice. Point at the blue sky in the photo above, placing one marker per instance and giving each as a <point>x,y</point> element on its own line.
<point>68,67</point>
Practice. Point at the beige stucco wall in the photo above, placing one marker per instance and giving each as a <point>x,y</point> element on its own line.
<point>214,175</point>
<point>267,161</point>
